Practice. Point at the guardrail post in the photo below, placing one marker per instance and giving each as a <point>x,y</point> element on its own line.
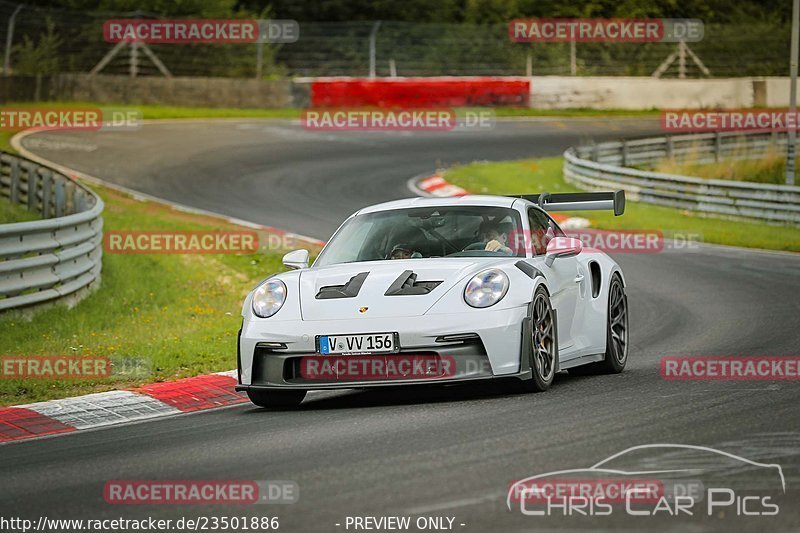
<point>78,200</point>
<point>60,197</point>
<point>670,148</point>
<point>595,152</point>
<point>69,193</point>
<point>33,178</point>
<point>14,190</point>
<point>47,189</point>
<point>624,153</point>
<point>717,146</point>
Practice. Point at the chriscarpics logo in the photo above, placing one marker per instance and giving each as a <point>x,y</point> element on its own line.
<point>671,481</point>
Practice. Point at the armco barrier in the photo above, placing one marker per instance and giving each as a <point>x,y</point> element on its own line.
<point>609,165</point>
<point>420,92</point>
<point>47,259</point>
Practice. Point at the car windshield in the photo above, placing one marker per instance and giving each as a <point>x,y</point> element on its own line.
<point>415,233</point>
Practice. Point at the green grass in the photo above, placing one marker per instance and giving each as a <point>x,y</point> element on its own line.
<point>537,175</point>
<point>5,141</point>
<point>180,313</point>
<point>165,112</point>
<point>578,112</point>
<point>10,213</point>
<point>770,168</point>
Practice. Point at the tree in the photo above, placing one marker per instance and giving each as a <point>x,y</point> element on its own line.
<point>38,58</point>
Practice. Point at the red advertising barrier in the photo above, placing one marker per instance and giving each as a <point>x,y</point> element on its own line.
<point>420,92</point>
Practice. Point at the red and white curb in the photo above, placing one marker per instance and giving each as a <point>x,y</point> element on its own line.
<point>102,409</point>
<point>436,186</point>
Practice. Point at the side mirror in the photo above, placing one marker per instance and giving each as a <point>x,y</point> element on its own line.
<point>562,247</point>
<point>296,259</point>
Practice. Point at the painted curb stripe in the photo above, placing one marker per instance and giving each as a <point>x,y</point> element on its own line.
<point>438,186</point>
<point>102,409</point>
<point>116,407</point>
<point>195,394</point>
<point>19,423</point>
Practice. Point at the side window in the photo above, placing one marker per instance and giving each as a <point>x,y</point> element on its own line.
<point>539,223</point>
<point>557,230</point>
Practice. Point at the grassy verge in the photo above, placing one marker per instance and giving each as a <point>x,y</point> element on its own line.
<point>166,111</point>
<point>771,168</point>
<point>577,113</point>
<point>179,314</point>
<point>536,175</point>
<point>156,112</point>
<point>10,213</point>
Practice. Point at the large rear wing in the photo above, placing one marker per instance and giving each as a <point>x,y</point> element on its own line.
<point>579,201</point>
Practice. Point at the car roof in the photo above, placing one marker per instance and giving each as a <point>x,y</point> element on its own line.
<point>468,200</point>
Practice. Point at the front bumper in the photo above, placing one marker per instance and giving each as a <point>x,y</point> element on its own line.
<point>494,352</point>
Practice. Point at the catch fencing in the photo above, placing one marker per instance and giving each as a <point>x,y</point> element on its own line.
<point>45,260</point>
<point>627,165</point>
<point>48,40</point>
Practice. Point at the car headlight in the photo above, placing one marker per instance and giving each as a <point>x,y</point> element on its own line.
<point>486,288</point>
<point>268,298</point>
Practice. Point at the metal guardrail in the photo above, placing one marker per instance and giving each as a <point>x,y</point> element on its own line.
<point>609,165</point>
<point>47,259</point>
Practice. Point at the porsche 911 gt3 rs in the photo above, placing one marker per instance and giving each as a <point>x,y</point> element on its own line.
<point>438,291</point>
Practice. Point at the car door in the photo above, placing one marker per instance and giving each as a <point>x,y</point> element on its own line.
<point>563,278</point>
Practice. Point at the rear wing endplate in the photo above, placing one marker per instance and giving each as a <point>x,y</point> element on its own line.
<point>579,201</point>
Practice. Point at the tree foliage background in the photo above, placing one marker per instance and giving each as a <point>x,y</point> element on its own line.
<point>421,37</point>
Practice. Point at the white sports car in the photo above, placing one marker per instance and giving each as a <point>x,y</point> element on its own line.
<point>438,291</point>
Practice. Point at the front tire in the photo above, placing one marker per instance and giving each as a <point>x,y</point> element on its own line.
<point>276,398</point>
<point>543,344</point>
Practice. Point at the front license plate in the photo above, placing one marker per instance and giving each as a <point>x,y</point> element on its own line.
<point>357,344</point>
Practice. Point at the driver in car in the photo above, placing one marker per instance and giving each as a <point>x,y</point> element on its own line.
<point>493,239</point>
<point>403,251</point>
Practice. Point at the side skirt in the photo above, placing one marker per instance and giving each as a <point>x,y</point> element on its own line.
<point>586,359</point>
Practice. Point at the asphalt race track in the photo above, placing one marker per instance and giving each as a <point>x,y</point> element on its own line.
<point>431,452</point>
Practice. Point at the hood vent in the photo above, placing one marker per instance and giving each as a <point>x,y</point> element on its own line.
<point>348,290</point>
<point>407,284</point>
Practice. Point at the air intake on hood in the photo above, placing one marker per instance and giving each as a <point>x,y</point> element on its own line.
<point>348,290</point>
<point>407,284</point>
